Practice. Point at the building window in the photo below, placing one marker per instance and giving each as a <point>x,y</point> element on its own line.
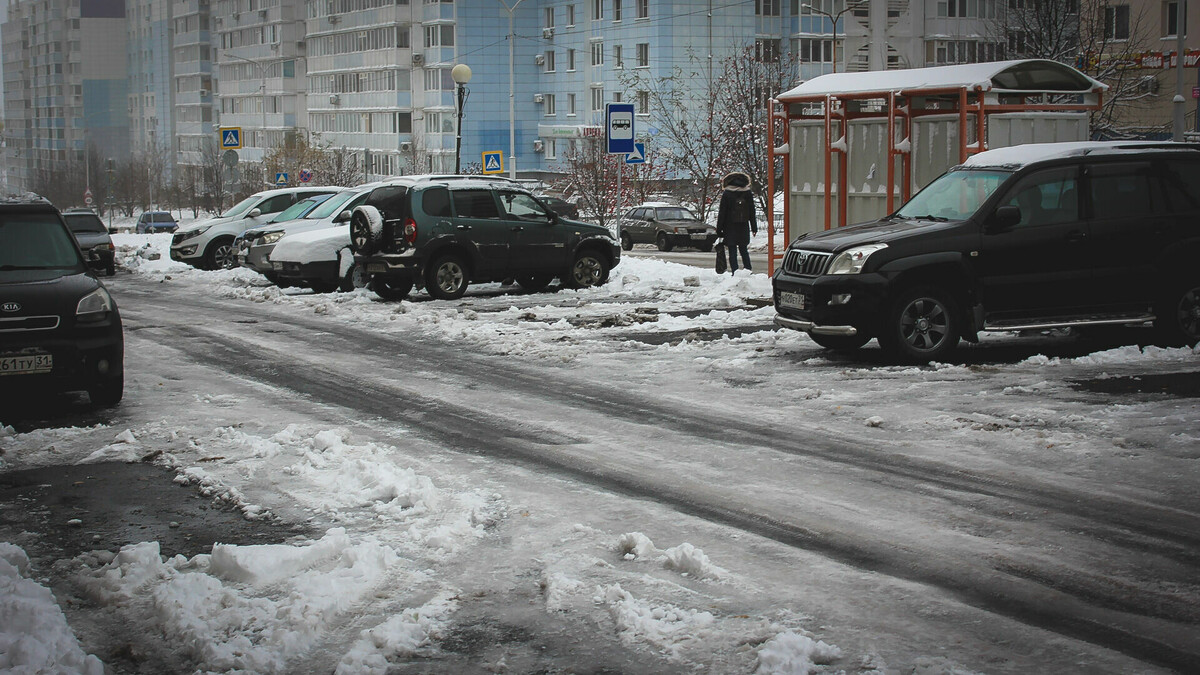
<point>597,9</point>
<point>815,50</point>
<point>570,15</point>
<point>643,102</point>
<point>570,59</point>
<point>549,21</point>
<point>597,99</point>
<point>597,53</point>
<point>551,149</point>
<point>438,122</point>
<point>1172,19</point>
<point>643,55</point>
<point>767,50</point>
<point>617,62</point>
<point>616,10</point>
<point>643,9</point>
<point>549,101</point>
<point>549,60</point>
<point>570,104</point>
<point>439,36</point>
<point>1116,22</point>
<point>768,7</point>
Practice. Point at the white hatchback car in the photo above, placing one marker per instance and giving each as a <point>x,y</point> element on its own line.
<point>209,243</point>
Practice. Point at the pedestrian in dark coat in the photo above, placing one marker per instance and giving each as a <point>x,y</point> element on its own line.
<point>735,217</point>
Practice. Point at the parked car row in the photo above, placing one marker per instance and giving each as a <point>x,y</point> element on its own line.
<point>439,233</point>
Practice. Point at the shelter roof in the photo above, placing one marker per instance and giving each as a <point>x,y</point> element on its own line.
<point>1025,76</point>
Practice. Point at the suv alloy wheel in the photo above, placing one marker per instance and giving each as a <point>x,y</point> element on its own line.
<point>921,325</point>
<point>447,277</point>
<point>1178,316</point>
<point>589,269</point>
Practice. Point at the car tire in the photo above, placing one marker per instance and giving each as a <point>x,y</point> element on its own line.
<point>219,254</point>
<point>840,343</point>
<point>626,241</point>
<point>921,325</point>
<point>589,269</point>
<point>1177,316</point>
<point>111,270</point>
<point>390,288</point>
<point>534,283</point>
<point>356,277</point>
<point>664,242</point>
<point>366,230</point>
<point>108,392</point>
<point>447,277</point>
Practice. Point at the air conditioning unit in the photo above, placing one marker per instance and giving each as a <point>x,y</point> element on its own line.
<point>334,99</point>
<point>334,18</point>
<point>538,145</point>
<point>405,146</point>
<point>538,98</point>
<point>540,59</point>
<point>418,59</point>
<point>547,33</point>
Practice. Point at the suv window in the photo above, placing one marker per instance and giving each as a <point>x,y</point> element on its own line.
<point>474,204</point>
<point>1122,191</point>
<point>275,204</point>
<point>1183,184</point>
<point>522,206</point>
<point>389,199</point>
<point>85,222</point>
<point>1046,198</point>
<point>35,241</point>
<point>436,202</point>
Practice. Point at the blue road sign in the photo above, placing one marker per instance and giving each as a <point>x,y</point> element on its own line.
<point>619,128</point>
<point>638,156</point>
<point>281,178</point>
<point>231,138</point>
<point>493,162</point>
<point>305,175</point>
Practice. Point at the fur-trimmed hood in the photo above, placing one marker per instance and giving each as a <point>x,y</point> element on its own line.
<point>736,181</point>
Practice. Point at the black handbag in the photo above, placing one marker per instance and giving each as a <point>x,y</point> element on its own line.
<point>722,262</point>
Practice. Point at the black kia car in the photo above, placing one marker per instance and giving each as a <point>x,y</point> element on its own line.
<point>59,327</point>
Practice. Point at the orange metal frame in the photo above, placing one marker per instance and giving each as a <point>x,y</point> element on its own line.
<point>836,117</point>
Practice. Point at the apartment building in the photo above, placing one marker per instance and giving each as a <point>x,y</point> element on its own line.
<point>193,81</point>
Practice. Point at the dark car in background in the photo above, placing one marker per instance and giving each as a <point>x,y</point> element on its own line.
<point>666,226</point>
<point>59,327</point>
<point>151,222</point>
<point>562,207</point>
<point>93,239</point>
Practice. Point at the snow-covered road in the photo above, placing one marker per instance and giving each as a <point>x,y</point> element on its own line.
<point>646,477</point>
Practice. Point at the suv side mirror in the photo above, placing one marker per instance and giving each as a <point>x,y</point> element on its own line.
<point>342,217</point>
<point>1004,218</point>
<point>254,213</point>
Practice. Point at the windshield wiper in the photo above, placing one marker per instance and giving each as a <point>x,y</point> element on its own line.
<point>928,216</point>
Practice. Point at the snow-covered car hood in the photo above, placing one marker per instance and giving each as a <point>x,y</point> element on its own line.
<point>313,245</point>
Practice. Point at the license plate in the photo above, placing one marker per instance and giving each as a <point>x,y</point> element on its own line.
<point>700,236</point>
<point>793,300</point>
<point>376,268</point>
<point>26,364</point>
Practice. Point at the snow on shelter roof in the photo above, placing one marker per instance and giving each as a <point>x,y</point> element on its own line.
<point>1028,75</point>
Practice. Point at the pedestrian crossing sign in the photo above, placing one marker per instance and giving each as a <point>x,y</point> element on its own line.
<point>493,162</point>
<point>231,138</point>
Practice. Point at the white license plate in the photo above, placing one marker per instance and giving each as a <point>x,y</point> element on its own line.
<point>376,268</point>
<point>793,300</point>
<point>26,364</point>
<point>699,236</point>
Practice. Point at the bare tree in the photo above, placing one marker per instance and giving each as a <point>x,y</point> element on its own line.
<point>1039,29</point>
<point>1112,38</point>
<point>748,80</point>
<point>591,175</point>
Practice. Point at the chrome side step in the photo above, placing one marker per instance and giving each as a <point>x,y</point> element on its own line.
<point>1071,322</point>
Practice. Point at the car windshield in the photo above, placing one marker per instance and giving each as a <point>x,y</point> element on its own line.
<point>298,209</point>
<point>35,241</point>
<point>333,204</point>
<point>85,222</point>
<point>241,207</point>
<point>163,218</point>
<point>954,196</point>
<point>676,213</point>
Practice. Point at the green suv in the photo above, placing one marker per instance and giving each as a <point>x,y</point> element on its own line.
<point>445,233</point>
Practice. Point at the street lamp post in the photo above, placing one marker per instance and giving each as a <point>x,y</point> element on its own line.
<point>834,18</point>
<point>461,74</point>
<point>512,125</point>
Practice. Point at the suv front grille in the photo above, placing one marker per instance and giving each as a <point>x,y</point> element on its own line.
<point>805,263</point>
<point>26,323</point>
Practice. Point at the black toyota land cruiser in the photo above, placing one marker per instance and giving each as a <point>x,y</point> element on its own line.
<point>446,233</point>
<point>1026,237</point>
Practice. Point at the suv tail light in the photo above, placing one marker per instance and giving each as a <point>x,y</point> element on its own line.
<point>410,231</point>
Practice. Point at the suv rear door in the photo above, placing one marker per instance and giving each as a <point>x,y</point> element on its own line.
<point>1129,224</point>
<point>477,217</point>
<point>539,245</point>
<point>1042,263</point>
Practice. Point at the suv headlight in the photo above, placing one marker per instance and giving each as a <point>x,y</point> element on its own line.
<point>94,306</point>
<point>271,238</point>
<point>198,231</point>
<point>851,261</point>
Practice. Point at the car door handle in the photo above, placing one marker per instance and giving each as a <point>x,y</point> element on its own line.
<point>518,228</point>
<point>464,227</point>
<point>1076,236</point>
